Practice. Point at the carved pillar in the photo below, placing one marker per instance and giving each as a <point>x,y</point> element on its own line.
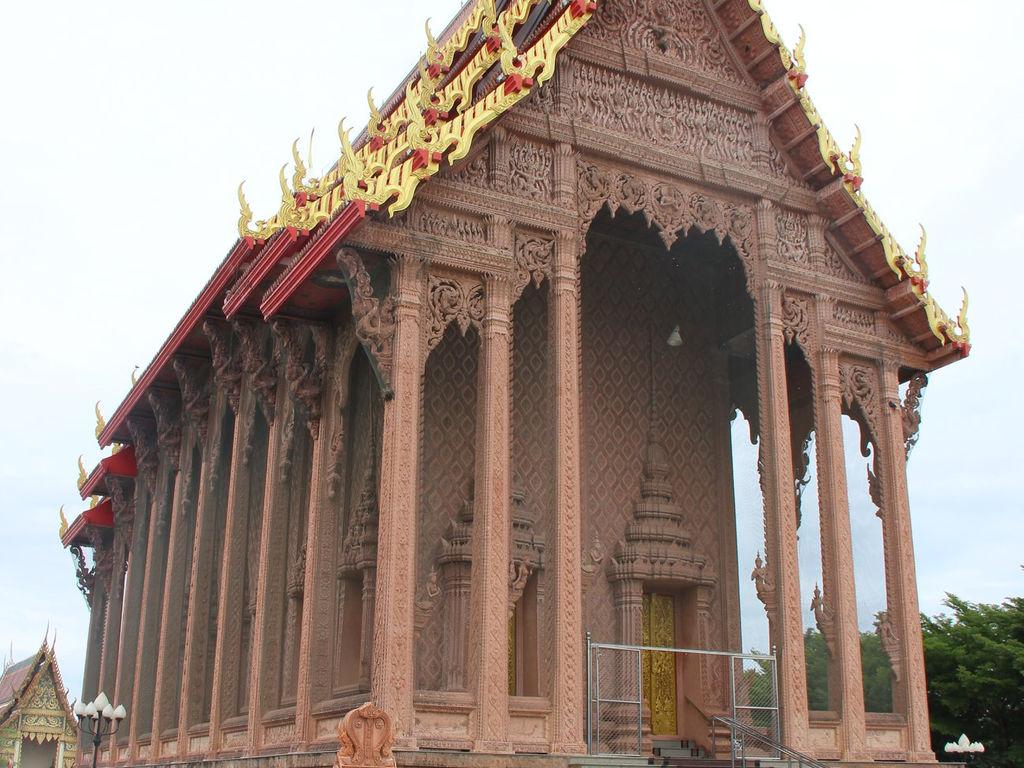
<point>181,542</point>
<point>317,558</point>
<point>204,593</point>
<point>489,581</point>
<point>124,519</point>
<point>904,614</point>
<point>779,582</point>
<point>839,609</point>
<point>246,482</point>
<point>392,678</point>
<point>366,627</point>
<point>168,437</point>
<point>271,536</point>
<point>131,622</point>
<point>567,690</point>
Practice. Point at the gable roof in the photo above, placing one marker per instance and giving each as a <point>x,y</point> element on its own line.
<point>466,81</point>
<point>20,680</point>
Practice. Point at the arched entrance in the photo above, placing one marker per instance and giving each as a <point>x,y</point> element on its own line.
<point>667,357</point>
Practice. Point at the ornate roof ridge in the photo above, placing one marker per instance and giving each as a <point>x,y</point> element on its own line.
<point>847,166</point>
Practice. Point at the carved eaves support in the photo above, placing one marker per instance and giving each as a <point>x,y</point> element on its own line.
<point>303,372</point>
<point>194,380</point>
<point>227,360</point>
<point>146,456</point>
<point>374,317</point>
<point>167,410</point>
<point>259,366</point>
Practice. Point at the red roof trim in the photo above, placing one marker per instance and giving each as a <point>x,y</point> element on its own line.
<point>121,464</point>
<point>101,516</point>
<point>281,245</point>
<point>313,257</point>
<point>213,290</point>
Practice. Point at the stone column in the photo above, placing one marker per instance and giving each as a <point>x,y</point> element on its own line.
<point>93,650</point>
<point>181,542</point>
<point>115,598</point>
<point>131,623</point>
<point>392,673</point>
<point>846,685</point>
<point>491,524</point>
<point>899,540</point>
<point>317,557</point>
<point>567,687</point>
<point>366,627</point>
<point>204,591</point>
<point>779,584</point>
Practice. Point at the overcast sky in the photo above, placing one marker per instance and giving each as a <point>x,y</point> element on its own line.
<point>127,127</point>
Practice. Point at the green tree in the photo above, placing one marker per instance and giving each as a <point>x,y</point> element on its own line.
<point>877,672</point>
<point>817,670</point>
<point>975,667</point>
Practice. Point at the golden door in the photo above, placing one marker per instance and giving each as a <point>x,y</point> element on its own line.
<point>659,669</point>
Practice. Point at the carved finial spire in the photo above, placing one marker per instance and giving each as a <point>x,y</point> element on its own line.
<point>135,376</point>
<point>82,476</point>
<point>244,214</point>
<point>798,72</point>
<point>375,128</point>
<point>432,52</point>
<point>918,271</point>
<point>299,176</point>
<point>101,423</point>
<point>963,334</point>
<point>855,175</point>
<point>63,523</point>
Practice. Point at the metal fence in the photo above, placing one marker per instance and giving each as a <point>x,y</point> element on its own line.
<point>615,692</point>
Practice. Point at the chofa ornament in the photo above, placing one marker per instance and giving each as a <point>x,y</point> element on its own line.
<point>366,736</point>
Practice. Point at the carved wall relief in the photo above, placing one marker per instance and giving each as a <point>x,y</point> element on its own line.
<point>533,461</point>
<point>793,243</point>
<point>447,462</point>
<point>441,222</point>
<point>529,170</point>
<point>532,257</point>
<point>374,317</point>
<point>853,318</point>
<point>679,30</point>
<point>452,299</point>
<point>671,208</point>
<point>835,265</point>
<point>668,119</point>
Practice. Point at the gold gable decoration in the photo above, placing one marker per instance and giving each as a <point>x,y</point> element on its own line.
<point>431,122</point>
<point>945,328</point>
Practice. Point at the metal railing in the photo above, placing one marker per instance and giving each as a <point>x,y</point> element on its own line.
<point>748,745</point>
<point>615,692</point>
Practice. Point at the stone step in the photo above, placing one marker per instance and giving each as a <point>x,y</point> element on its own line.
<point>693,751</point>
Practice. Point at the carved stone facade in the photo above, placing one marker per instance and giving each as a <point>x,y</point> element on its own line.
<point>384,516</point>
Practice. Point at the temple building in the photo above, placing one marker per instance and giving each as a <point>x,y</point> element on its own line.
<point>446,442</point>
<point>37,729</point>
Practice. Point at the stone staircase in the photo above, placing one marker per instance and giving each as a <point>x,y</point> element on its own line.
<point>677,753</point>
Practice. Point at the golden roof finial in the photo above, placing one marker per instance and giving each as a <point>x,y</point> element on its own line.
<point>354,169</point>
<point>919,272</point>
<point>375,118</point>
<point>135,370</point>
<point>101,423</point>
<point>244,219</point>
<point>798,52</point>
<point>116,448</point>
<point>300,169</point>
<point>432,53</point>
<point>63,523</point>
<point>510,63</point>
<point>82,476</point>
<point>93,501</point>
<point>964,334</point>
<point>855,166</point>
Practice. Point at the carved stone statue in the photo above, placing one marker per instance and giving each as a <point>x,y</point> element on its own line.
<point>366,736</point>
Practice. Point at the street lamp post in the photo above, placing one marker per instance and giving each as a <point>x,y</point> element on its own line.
<point>99,718</point>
